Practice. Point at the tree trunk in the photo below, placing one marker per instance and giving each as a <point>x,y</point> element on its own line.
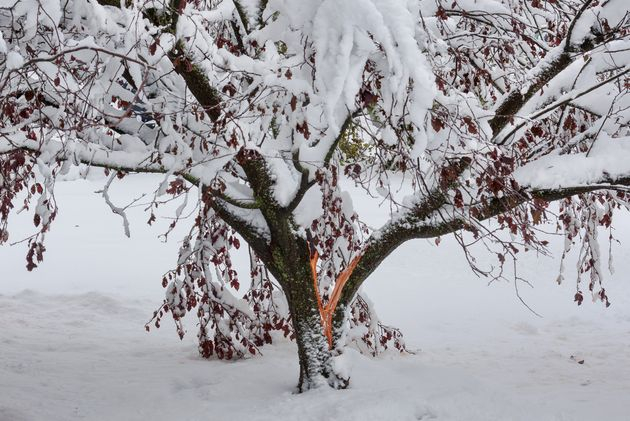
<point>317,365</point>
<point>290,263</point>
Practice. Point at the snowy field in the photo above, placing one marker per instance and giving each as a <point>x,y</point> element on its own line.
<point>73,345</point>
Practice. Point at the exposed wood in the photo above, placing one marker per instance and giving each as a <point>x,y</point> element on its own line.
<point>327,311</point>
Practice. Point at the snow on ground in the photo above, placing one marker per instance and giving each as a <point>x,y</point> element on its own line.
<point>73,346</point>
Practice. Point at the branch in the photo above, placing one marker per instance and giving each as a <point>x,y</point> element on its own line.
<point>586,5</point>
<point>115,209</point>
<point>515,101</point>
<point>196,80</point>
<point>260,180</point>
<point>83,154</point>
<point>410,225</point>
<point>52,58</point>
<point>560,103</point>
<point>342,132</point>
<point>235,202</point>
<point>305,184</point>
<point>250,233</point>
<point>242,15</point>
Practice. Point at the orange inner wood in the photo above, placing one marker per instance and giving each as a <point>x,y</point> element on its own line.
<point>326,311</point>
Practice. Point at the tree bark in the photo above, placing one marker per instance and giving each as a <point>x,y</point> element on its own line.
<point>316,358</point>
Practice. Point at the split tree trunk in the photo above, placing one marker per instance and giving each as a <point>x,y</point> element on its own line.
<point>287,256</point>
<point>315,355</point>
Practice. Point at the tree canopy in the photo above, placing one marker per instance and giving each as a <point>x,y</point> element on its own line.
<point>258,109</point>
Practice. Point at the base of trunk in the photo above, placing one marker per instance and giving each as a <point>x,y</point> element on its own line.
<point>317,361</point>
<point>324,378</point>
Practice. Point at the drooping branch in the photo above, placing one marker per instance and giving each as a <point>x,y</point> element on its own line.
<point>111,160</point>
<point>257,240</point>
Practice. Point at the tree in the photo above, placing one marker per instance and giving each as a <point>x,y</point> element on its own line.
<point>257,109</point>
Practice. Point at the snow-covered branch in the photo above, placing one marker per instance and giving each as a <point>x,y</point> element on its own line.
<point>447,113</point>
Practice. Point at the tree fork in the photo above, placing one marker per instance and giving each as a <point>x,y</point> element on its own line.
<point>327,311</point>
<point>292,267</point>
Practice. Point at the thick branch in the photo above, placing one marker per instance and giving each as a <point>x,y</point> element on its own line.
<point>196,80</point>
<point>249,233</point>
<point>283,239</point>
<point>563,101</point>
<point>511,105</point>
<point>515,101</point>
<point>389,238</point>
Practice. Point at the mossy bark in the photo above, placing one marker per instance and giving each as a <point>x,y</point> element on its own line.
<point>316,359</point>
